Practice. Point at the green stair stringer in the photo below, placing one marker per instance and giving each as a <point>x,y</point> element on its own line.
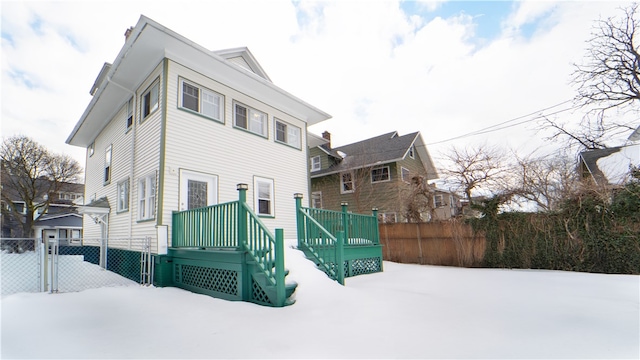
<point>261,290</point>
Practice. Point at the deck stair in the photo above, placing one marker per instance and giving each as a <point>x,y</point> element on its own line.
<point>225,251</point>
<point>342,244</point>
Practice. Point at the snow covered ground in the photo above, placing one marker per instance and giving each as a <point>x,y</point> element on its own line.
<point>409,311</point>
<point>20,274</point>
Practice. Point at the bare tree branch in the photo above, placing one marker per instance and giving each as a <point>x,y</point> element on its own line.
<point>31,174</point>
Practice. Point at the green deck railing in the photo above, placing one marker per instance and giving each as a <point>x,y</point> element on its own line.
<point>326,249</point>
<point>359,230</point>
<point>212,226</point>
<point>234,225</point>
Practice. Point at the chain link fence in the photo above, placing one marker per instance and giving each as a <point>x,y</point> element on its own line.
<point>51,265</point>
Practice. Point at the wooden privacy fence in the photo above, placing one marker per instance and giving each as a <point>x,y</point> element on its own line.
<point>449,243</point>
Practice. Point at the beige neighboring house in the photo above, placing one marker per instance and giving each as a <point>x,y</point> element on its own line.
<point>376,173</point>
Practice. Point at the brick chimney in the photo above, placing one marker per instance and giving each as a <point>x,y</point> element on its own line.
<point>327,136</point>
<point>128,33</point>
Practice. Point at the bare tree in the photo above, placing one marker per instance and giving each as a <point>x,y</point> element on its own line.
<point>31,174</point>
<point>546,181</point>
<point>607,79</point>
<point>473,168</point>
<point>418,200</point>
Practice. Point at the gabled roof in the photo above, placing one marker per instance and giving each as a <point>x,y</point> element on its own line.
<point>69,219</point>
<point>148,43</point>
<point>244,58</point>
<point>383,149</point>
<point>96,207</point>
<point>611,165</point>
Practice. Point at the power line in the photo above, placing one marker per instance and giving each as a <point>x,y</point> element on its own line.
<point>500,126</point>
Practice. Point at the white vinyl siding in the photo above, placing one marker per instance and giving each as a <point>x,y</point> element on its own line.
<point>204,146</point>
<point>130,160</point>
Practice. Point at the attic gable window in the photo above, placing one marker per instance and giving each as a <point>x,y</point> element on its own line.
<point>201,100</point>
<point>347,184</point>
<point>380,174</point>
<point>287,134</point>
<point>412,152</point>
<point>249,119</point>
<point>150,100</point>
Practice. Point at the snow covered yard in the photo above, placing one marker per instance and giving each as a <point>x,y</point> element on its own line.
<point>409,311</point>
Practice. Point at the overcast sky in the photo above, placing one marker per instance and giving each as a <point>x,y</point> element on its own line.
<point>442,68</point>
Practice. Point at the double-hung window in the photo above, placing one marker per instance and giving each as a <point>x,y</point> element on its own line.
<point>347,183</point>
<point>406,174</point>
<point>147,197</point>
<point>438,201</point>
<point>250,119</point>
<point>380,174</point>
<point>129,114</point>
<point>315,163</point>
<point>263,190</point>
<point>201,100</point>
<point>150,100</point>
<point>412,152</point>
<point>107,164</point>
<point>316,199</point>
<point>123,196</point>
<point>287,134</point>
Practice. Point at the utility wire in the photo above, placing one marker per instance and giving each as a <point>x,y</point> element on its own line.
<point>500,126</point>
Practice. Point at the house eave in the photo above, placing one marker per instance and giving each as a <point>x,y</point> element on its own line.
<point>148,44</point>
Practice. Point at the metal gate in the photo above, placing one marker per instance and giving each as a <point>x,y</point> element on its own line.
<point>59,265</point>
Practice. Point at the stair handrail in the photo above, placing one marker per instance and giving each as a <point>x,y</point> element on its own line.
<point>320,243</point>
<point>265,249</point>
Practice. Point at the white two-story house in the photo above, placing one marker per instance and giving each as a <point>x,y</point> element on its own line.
<point>174,126</point>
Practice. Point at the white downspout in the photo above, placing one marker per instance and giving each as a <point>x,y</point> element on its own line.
<point>132,152</point>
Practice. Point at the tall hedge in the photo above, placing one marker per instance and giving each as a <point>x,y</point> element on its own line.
<point>592,233</point>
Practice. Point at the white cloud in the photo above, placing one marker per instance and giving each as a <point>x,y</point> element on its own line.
<point>372,66</point>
